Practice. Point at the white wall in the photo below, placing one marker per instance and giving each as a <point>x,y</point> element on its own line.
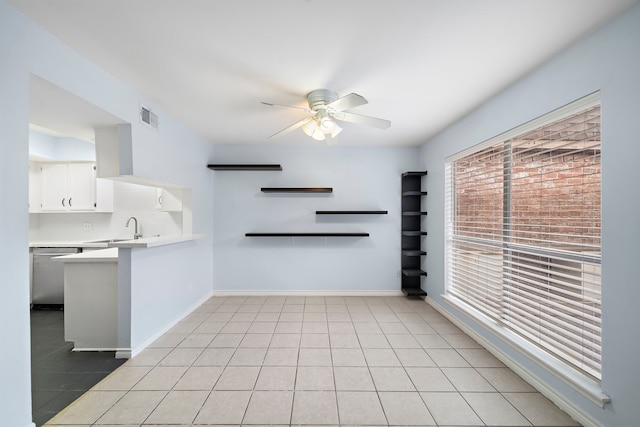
<point>609,61</point>
<point>361,178</point>
<point>179,156</point>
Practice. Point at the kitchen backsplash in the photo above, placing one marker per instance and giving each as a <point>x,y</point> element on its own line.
<point>128,200</point>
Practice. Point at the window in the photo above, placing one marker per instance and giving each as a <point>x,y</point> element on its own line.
<point>523,234</point>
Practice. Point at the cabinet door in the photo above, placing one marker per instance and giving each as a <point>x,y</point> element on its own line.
<point>54,187</point>
<point>168,200</point>
<point>81,186</point>
<point>35,187</point>
<point>159,199</point>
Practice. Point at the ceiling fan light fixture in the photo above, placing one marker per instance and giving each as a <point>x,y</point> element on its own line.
<point>327,125</point>
<point>320,126</point>
<point>310,127</point>
<point>318,134</point>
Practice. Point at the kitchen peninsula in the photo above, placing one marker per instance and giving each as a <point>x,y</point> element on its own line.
<point>91,299</point>
<point>92,315</point>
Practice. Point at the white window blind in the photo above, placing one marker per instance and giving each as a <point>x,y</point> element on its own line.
<point>523,235</point>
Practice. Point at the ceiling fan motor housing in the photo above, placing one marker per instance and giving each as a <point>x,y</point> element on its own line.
<point>320,97</point>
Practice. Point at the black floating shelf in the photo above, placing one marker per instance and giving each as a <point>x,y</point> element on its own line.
<point>414,193</point>
<point>414,233</point>
<point>245,167</point>
<point>418,173</point>
<point>413,253</point>
<point>414,292</point>
<point>304,234</point>
<point>414,213</point>
<point>296,189</point>
<point>408,272</point>
<point>351,212</point>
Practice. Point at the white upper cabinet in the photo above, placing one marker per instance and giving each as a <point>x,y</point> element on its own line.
<point>55,197</point>
<point>81,186</point>
<point>71,187</point>
<point>35,187</point>
<point>168,200</point>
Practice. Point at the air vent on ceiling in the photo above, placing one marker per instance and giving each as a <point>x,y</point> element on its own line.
<point>149,117</point>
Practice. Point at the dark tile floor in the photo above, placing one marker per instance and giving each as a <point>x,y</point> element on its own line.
<point>58,375</point>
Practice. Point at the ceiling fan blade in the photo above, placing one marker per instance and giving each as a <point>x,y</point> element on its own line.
<point>362,120</point>
<point>306,110</point>
<point>346,102</point>
<point>294,126</point>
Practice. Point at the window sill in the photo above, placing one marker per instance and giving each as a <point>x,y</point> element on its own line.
<point>579,382</point>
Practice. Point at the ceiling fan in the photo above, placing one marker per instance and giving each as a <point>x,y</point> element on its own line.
<point>326,109</point>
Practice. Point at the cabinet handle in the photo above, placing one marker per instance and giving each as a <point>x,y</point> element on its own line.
<point>63,199</point>
<point>160,200</point>
<point>69,201</point>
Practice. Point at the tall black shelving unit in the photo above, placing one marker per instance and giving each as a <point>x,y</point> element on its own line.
<point>412,233</point>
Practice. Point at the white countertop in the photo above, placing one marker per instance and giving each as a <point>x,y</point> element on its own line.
<point>65,244</point>
<point>100,255</point>
<point>145,242</point>
<point>150,242</point>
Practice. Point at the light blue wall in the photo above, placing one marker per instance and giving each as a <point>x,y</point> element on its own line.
<point>15,366</point>
<point>152,306</point>
<point>362,179</point>
<point>174,154</point>
<point>71,148</point>
<point>609,61</point>
<point>40,145</point>
<point>52,148</point>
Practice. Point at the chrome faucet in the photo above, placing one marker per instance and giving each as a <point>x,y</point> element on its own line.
<point>135,232</point>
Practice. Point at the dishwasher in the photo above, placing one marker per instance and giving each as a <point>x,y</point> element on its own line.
<point>48,277</point>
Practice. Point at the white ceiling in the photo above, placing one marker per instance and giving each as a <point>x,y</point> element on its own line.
<point>421,64</point>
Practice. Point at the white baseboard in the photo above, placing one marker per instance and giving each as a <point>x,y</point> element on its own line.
<point>136,350</point>
<point>550,393</point>
<point>123,353</point>
<point>80,350</point>
<point>372,293</point>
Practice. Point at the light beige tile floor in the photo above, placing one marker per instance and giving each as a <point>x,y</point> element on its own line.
<point>313,361</point>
